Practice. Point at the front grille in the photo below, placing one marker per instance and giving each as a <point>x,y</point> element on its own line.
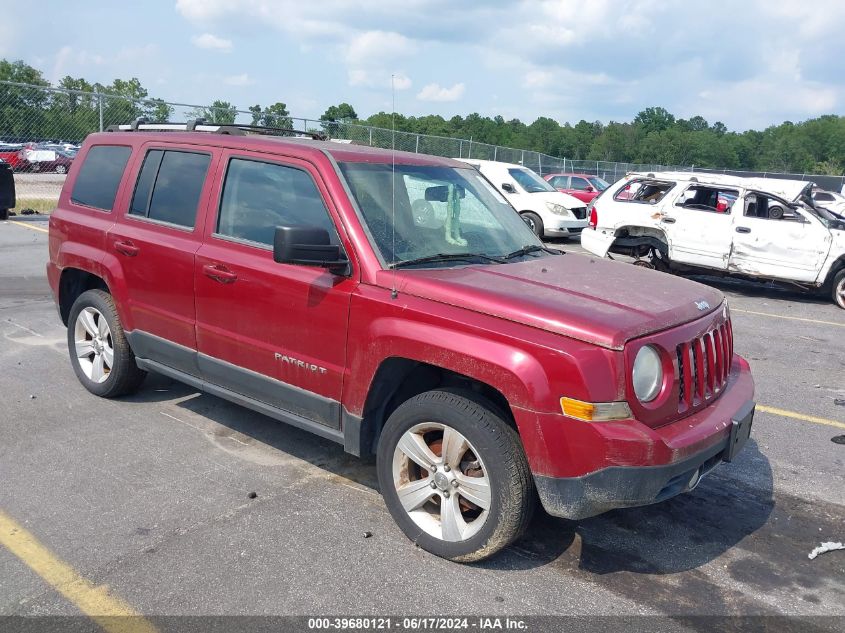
<point>703,366</point>
<point>579,212</point>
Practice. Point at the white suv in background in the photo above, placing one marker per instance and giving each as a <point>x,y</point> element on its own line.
<point>547,211</point>
<point>759,228</point>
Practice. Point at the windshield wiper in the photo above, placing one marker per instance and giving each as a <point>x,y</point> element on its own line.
<point>447,257</point>
<point>531,248</point>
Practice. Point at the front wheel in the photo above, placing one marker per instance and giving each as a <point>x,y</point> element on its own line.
<point>61,169</point>
<point>454,476</point>
<point>534,222</point>
<point>839,289</point>
<point>99,352</point>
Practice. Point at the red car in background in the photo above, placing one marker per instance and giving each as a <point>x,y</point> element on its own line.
<point>582,186</point>
<point>11,154</point>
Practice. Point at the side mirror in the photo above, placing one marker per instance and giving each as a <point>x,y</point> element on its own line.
<point>308,246</point>
<point>508,187</point>
<point>589,189</point>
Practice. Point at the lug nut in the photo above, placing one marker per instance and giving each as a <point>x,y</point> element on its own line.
<point>446,493</point>
<point>433,469</point>
<point>455,483</point>
<point>433,485</point>
<point>447,468</point>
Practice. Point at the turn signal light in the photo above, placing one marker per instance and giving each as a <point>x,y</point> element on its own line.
<point>595,411</point>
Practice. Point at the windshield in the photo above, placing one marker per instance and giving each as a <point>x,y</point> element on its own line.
<point>528,180</point>
<point>438,211</point>
<point>600,184</point>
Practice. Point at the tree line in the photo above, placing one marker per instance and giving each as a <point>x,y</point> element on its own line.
<point>654,135</point>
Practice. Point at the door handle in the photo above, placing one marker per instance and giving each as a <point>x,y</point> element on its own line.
<point>219,273</point>
<point>126,248</point>
<point>743,229</point>
<point>668,220</point>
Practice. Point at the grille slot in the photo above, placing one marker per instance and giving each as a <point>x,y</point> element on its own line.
<point>579,212</point>
<point>704,365</point>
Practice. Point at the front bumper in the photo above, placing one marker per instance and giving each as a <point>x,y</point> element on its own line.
<point>639,465</point>
<point>562,228</point>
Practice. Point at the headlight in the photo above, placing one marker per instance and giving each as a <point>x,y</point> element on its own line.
<point>647,375</point>
<point>557,209</point>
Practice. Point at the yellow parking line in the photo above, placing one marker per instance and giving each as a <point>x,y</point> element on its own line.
<point>800,416</point>
<point>110,612</point>
<point>791,318</point>
<point>29,226</point>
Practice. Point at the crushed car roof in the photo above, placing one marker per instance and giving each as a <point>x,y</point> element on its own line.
<point>787,189</point>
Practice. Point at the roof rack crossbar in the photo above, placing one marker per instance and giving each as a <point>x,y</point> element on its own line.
<point>201,125</point>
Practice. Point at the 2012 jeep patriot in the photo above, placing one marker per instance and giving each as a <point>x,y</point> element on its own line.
<point>394,303</point>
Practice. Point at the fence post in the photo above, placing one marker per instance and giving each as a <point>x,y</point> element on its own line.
<point>100,100</point>
<point>417,148</point>
<point>469,153</point>
<point>495,151</point>
<point>522,160</point>
<point>540,163</point>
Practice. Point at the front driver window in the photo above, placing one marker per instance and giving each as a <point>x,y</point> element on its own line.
<point>259,196</point>
<point>758,205</point>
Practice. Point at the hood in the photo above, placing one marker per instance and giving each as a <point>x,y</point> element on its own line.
<point>597,301</point>
<point>557,197</point>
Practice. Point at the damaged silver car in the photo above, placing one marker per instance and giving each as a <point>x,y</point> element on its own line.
<point>756,228</point>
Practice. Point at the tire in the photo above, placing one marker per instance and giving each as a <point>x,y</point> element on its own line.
<point>94,327</point>
<point>4,214</point>
<point>534,222</point>
<point>775,212</point>
<point>61,169</point>
<point>838,290</point>
<point>485,448</point>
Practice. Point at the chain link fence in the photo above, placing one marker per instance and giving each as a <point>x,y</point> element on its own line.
<point>41,129</point>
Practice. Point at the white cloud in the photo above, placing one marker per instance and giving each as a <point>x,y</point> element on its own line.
<point>373,47</point>
<point>378,78</point>
<point>434,92</point>
<point>238,80</point>
<point>212,42</point>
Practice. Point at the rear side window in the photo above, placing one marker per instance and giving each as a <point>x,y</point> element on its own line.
<point>169,186</point>
<point>644,191</point>
<point>99,177</point>
<point>258,197</point>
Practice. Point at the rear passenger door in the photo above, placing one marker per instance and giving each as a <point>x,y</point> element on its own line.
<point>275,333</point>
<point>700,226</point>
<point>154,241</point>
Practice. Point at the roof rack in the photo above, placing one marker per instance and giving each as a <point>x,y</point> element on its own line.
<point>201,125</point>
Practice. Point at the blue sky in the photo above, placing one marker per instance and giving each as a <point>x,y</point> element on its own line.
<point>748,63</point>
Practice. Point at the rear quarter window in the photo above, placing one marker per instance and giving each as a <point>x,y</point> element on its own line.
<point>645,191</point>
<point>99,177</point>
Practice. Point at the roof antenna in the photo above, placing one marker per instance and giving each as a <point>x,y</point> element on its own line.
<point>393,291</point>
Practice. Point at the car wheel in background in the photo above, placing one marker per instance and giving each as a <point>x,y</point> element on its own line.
<point>99,352</point>
<point>534,222</point>
<point>839,289</point>
<point>61,169</point>
<point>454,476</point>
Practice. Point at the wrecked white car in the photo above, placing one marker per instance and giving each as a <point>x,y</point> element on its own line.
<point>758,228</point>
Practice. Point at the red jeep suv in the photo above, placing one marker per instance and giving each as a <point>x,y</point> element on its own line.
<point>396,304</point>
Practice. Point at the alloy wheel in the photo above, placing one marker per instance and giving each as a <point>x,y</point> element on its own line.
<point>441,482</point>
<point>94,346</point>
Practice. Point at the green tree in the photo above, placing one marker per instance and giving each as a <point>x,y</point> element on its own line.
<point>219,112</point>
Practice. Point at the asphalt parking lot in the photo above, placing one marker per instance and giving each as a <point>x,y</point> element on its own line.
<point>148,496</point>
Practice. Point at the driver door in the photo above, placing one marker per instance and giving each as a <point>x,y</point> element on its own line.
<point>784,244</point>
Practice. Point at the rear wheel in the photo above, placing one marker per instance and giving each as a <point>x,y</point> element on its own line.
<point>838,293</point>
<point>454,476</point>
<point>99,352</point>
<point>4,214</point>
<point>61,169</point>
<point>534,222</point>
